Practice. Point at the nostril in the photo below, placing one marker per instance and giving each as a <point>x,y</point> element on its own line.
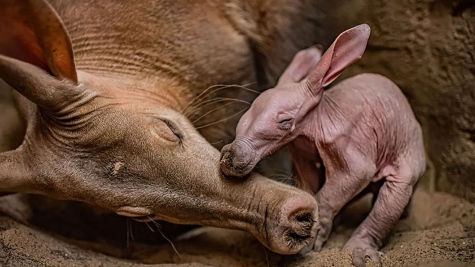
<point>227,159</point>
<point>300,215</point>
<point>306,218</point>
<point>302,208</point>
<point>224,161</point>
<point>303,223</point>
<point>297,237</point>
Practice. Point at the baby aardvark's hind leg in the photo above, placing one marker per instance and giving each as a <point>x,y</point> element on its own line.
<point>392,199</point>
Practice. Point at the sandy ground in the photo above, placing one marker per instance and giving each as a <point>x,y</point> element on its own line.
<point>440,231</point>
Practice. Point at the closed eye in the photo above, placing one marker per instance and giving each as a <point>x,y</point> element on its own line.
<point>174,129</point>
<point>285,124</point>
<point>285,121</point>
<point>166,129</point>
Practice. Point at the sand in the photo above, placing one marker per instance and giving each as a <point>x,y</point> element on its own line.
<point>440,231</point>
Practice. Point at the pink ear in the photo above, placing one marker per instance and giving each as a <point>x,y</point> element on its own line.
<point>301,65</point>
<point>348,47</point>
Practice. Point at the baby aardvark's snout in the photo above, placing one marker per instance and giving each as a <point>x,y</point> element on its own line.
<point>237,159</point>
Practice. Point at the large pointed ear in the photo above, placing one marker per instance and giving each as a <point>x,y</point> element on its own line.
<point>301,65</point>
<point>37,52</point>
<point>35,84</point>
<point>32,32</point>
<point>348,47</point>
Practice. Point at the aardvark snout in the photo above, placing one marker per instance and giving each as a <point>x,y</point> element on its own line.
<point>290,215</point>
<point>298,223</point>
<point>236,160</point>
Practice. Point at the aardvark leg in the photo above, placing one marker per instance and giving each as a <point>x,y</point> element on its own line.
<point>391,201</point>
<point>308,178</point>
<point>341,185</point>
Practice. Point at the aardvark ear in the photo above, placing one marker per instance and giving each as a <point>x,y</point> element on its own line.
<point>36,52</point>
<point>301,65</point>
<point>348,47</point>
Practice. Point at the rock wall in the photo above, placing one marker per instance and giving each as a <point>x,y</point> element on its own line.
<point>427,47</point>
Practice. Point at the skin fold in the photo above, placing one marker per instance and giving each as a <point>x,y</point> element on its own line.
<point>360,136</point>
<point>105,90</point>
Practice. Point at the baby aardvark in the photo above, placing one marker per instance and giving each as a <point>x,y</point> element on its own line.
<point>360,136</point>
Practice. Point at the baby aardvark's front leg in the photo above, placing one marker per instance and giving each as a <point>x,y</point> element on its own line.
<point>342,184</point>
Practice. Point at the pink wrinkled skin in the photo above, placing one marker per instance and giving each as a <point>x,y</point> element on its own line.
<point>359,137</point>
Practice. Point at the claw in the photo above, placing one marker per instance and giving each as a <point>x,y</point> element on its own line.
<point>373,255</point>
<point>361,255</point>
<point>318,245</point>
<point>308,247</point>
<point>322,235</point>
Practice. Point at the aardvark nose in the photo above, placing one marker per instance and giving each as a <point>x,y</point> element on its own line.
<point>299,219</point>
<point>235,161</point>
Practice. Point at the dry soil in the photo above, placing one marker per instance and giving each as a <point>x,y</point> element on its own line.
<point>440,231</point>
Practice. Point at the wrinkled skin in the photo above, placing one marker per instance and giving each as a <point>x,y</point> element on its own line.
<point>360,136</point>
<point>105,124</point>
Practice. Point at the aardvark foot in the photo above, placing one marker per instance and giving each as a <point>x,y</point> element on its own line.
<point>361,254</point>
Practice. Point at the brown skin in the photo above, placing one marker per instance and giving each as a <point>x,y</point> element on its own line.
<point>104,124</point>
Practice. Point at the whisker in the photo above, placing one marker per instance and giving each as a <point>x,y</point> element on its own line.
<point>213,101</point>
<point>246,88</point>
<point>128,234</point>
<point>132,237</point>
<point>282,179</point>
<point>296,183</point>
<point>267,256</point>
<point>220,87</point>
<point>222,120</point>
<point>281,171</point>
<point>225,86</point>
<point>201,94</point>
<point>217,142</point>
<point>211,111</point>
<point>149,227</point>
<point>191,112</point>
<point>220,99</point>
<point>169,241</point>
<point>279,176</point>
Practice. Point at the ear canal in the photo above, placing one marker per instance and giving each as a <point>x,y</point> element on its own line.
<point>33,83</point>
<point>348,48</point>
<point>32,31</point>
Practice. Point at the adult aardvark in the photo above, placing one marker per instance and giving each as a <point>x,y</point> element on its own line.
<point>103,86</point>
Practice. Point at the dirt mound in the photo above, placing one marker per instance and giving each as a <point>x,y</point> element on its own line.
<point>440,231</point>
